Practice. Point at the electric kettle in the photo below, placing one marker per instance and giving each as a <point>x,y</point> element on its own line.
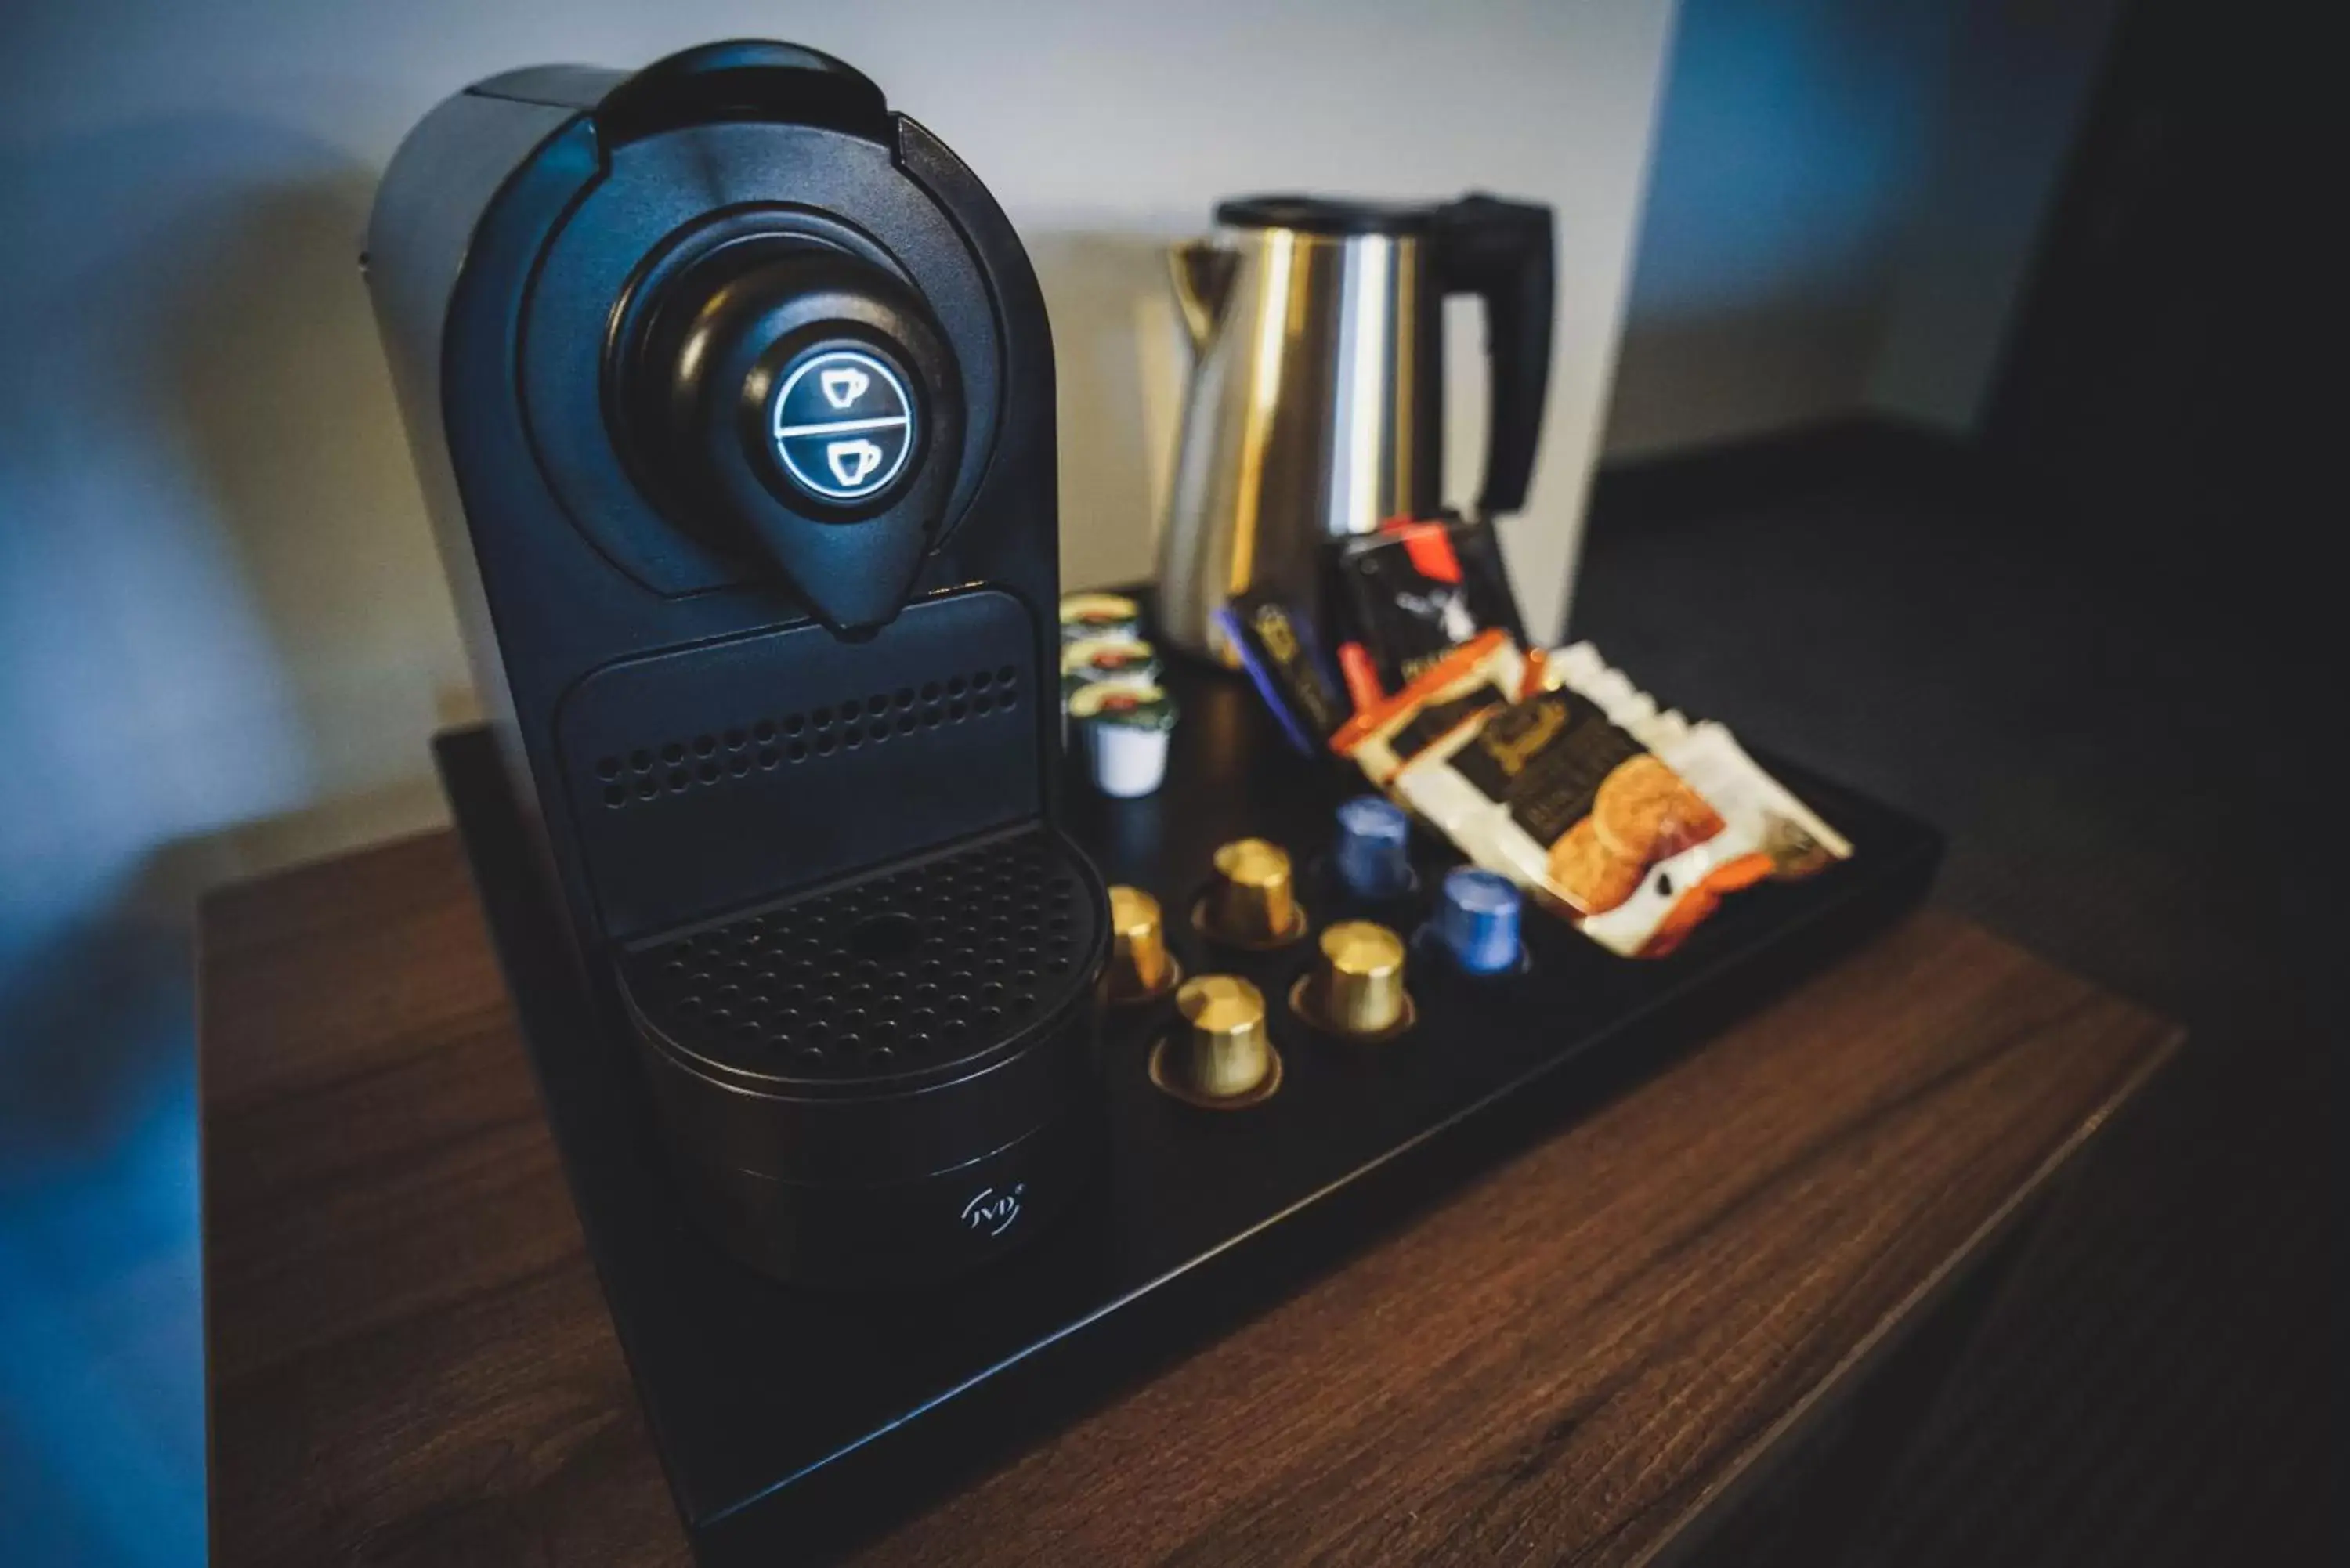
<point>1315,407</point>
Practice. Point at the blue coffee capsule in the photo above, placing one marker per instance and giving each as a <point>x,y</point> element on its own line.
<point>1372,836</point>
<point>1477,920</point>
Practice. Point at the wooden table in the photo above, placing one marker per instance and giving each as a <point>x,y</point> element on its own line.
<point>1605,1341</point>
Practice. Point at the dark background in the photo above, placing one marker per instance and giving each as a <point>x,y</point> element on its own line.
<point>2087,638</point>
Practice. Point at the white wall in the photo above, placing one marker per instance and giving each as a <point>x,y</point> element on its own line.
<point>221,619</point>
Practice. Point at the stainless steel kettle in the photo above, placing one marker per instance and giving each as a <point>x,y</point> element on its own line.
<point>1316,407</point>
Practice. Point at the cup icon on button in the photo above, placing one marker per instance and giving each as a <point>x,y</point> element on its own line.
<point>852,461</point>
<point>843,385</point>
<point>843,423</point>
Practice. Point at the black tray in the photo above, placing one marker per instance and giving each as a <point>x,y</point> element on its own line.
<point>792,1423</point>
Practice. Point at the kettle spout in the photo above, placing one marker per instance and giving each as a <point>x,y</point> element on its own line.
<point>1201,272</point>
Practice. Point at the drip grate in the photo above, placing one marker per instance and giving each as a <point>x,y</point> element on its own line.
<point>900,972</point>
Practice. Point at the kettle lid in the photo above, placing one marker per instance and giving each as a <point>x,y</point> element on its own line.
<point>1327,214</point>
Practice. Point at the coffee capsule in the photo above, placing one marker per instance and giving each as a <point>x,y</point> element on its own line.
<point>1356,988</point>
<point>1477,920</point>
<point>1220,1052</point>
<point>1252,902</point>
<point>1374,835</point>
<point>1140,967</point>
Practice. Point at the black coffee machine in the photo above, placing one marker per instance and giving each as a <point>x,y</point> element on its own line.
<point>732,392</point>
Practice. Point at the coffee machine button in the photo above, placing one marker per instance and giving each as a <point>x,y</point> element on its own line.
<point>843,423</point>
<point>841,384</point>
<point>788,399</point>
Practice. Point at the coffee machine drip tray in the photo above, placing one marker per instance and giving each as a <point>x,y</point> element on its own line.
<point>843,1073</point>
<point>919,972</point>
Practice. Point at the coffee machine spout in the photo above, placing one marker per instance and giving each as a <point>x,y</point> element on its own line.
<point>1201,272</point>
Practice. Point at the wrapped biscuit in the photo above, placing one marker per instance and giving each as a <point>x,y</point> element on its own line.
<point>1437,712</point>
<point>1563,776</point>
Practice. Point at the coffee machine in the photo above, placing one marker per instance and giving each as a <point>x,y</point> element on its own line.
<point>730,390</point>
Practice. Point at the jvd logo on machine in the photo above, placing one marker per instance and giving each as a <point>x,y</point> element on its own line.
<point>844,424</point>
<point>991,1210</point>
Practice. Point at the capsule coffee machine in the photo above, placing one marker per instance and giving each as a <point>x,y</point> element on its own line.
<point>732,392</point>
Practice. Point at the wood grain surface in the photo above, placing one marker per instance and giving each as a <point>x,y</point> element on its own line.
<point>1568,1362</point>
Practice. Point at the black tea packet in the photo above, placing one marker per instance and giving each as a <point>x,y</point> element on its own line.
<point>1413,592</point>
<point>1277,648</point>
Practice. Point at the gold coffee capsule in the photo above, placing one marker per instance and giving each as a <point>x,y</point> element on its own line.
<point>1253,902</point>
<point>1357,988</point>
<point>1220,1052</point>
<point>1140,967</point>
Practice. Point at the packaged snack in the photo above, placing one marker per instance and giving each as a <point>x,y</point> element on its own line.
<point>1434,712</point>
<point>1362,676</point>
<point>1566,779</point>
<point>1416,590</point>
<point>1277,648</point>
<point>1099,615</point>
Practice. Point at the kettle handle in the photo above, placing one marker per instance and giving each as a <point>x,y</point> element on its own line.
<point>1502,251</point>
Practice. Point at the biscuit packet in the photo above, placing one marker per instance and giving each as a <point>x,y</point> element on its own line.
<point>1559,773</point>
<point>1437,710</point>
